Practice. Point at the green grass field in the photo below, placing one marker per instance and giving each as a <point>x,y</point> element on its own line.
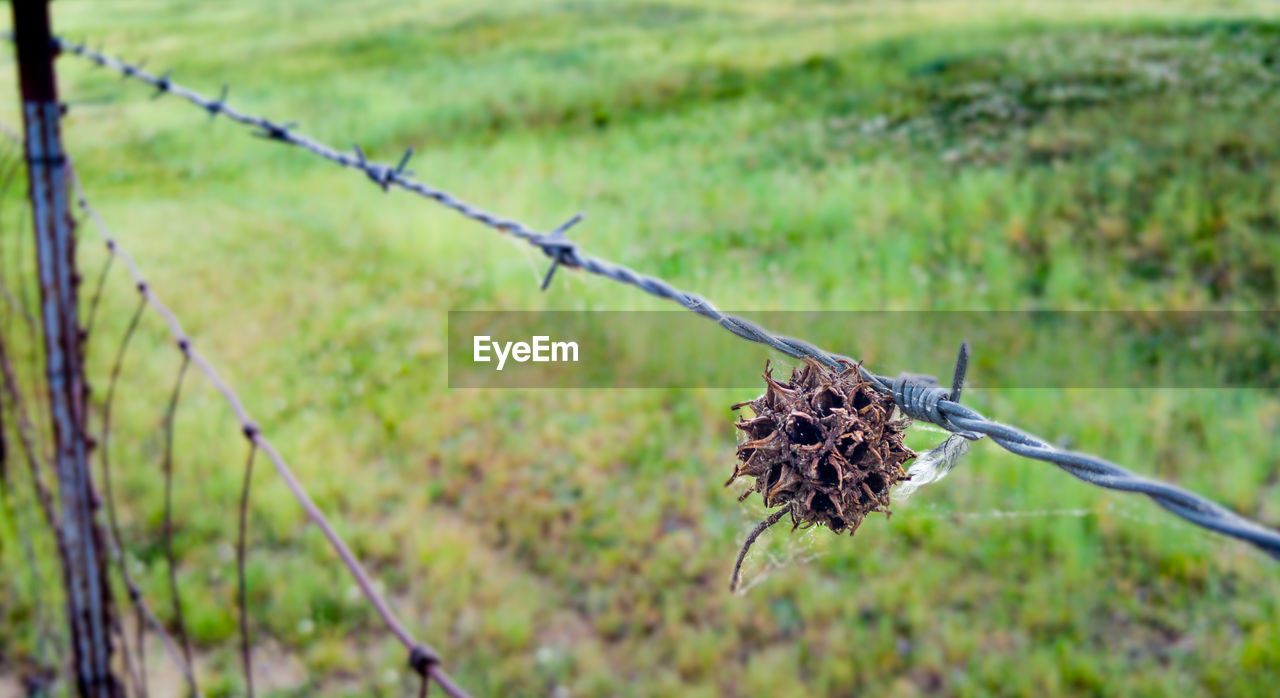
<point>800,155</point>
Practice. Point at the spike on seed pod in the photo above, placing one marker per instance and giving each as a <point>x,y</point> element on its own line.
<point>824,445</point>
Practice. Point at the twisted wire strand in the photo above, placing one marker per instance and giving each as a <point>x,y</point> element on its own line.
<point>1103,473</point>
<point>917,397</point>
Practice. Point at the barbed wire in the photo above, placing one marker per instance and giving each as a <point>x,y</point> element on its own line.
<point>918,396</point>
<point>422,658</point>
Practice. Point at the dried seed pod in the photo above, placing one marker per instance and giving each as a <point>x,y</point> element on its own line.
<point>823,444</point>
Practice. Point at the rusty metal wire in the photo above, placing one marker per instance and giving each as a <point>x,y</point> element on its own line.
<point>918,396</point>
<point>175,596</point>
<point>137,674</point>
<point>242,587</point>
<point>422,658</point>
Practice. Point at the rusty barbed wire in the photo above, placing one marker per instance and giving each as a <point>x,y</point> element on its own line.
<point>918,396</point>
<point>422,658</point>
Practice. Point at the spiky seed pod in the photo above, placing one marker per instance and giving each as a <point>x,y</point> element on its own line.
<point>824,443</point>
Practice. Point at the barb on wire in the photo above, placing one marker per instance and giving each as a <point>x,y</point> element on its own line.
<point>215,107</point>
<point>383,174</point>
<point>162,84</point>
<point>917,398</point>
<point>422,658</point>
<point>564,252</point>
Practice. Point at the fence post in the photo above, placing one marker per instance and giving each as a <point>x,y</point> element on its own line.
<point>89,604</point>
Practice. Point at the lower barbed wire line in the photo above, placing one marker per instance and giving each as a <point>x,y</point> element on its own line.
<point>422,658</point>
<point>175,596</point>
<point>926,405</point>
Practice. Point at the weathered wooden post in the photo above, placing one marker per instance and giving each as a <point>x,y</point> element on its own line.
<point>89,605</point>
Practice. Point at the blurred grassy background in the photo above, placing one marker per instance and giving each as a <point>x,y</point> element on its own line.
<point>770,155</point>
